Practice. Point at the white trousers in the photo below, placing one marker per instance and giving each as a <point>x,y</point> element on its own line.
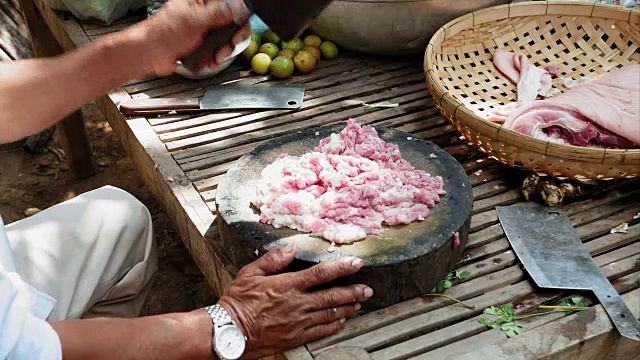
<point>94,254</point>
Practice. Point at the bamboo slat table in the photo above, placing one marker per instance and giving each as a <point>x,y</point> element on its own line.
<point>182,159</point>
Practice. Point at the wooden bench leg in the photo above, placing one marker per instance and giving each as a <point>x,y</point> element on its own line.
<point>74,133</point>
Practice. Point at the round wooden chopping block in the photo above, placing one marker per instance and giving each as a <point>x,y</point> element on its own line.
<point>400,263</point>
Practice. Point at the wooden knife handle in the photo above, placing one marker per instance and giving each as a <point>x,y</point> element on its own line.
<point>158,106</point>
<point>213,41</point>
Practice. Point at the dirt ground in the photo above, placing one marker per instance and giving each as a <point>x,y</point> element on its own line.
<point>41,180</point>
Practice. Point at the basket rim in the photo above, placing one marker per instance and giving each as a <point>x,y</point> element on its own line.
<point>524,141</point>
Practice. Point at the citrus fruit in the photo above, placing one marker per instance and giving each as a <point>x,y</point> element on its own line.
<point>282,67</point>
<point>260,63</point>
<point>329,50</point>
<point>256,37</point>
<point>313,50</point>
<point>304,61</point>
<point>251,50</point>
<point>287,53</point>
<point>294,44</point>
<point>312,40</point>
<point>271,37</point>
<point>269,49</point>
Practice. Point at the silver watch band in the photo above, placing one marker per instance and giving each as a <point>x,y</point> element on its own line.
<point>219,315</point>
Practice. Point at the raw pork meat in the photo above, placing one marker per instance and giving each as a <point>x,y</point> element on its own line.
<point>531,80</point>
<point>346,188</point>
<point>603,112</point>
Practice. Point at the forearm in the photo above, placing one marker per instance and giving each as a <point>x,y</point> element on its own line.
<point>34,94</point>
<point>162,337</point>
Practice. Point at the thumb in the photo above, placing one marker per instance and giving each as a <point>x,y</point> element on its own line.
<point>271,262</point>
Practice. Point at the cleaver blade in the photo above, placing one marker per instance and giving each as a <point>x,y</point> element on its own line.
<point>226,97</point>
<point>552,253</point>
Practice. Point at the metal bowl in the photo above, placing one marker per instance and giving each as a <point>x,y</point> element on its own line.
<point>390,27</point>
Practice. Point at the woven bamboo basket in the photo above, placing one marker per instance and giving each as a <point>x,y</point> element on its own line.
<point>583,39</point>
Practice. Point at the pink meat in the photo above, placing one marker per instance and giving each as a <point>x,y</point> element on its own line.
<point>531,80</point>
<point>604,112</point>
<point>351,185</point>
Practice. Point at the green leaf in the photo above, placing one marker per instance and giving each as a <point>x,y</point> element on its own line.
<point>491,311</point>
<point>490,323</point>
<point>460,274</point>
<point>506,309</point>
<point>511,329</point>
<point>485,321</point>
<point>579,300</point>
<point>440,285</point>
<point>573,300</point>
<point>447,284</point>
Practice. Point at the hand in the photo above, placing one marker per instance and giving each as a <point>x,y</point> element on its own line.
<point>180,26</point>
<point>277,313</point>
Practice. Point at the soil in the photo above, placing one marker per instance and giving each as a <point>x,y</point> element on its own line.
<point>41,180</point>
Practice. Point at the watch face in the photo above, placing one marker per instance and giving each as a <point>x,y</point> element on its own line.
<point>230,342</point>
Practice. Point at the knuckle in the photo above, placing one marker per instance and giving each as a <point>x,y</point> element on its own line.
<point>318,272</point>
<point>328,315</point>
<point>331,297</point>
<point>355,293</point>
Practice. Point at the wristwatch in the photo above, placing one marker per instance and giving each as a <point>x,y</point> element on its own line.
<point>228,341</point>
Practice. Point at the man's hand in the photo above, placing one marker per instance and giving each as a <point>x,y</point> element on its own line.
<point>180,26</point>
<point>277,313</point>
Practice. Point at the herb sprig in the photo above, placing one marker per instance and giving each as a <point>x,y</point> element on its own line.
<point>506,319</point>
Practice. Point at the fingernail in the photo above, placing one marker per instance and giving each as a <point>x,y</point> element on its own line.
<point>368,292</point>
<point>289,248</point>
<point>342,320</point>
<point>356,262</point>
<point>357,306</point>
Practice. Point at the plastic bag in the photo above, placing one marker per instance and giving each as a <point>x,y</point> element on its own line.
<point>103,10</point>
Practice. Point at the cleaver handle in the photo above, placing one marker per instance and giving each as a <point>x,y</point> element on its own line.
<point>214,40</point>
<point>622,318</point>
<point>158,106</point>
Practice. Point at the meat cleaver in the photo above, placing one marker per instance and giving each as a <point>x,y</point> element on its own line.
<point>287,18</point>
<point>226,97</point>
<point>551,251</point>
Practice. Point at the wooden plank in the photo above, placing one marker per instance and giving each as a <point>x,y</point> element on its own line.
<point>611,241</point>
<point>299,353</point>
<point>205,160</point>
<point>464,336</point>
<point>188,128</point>
<point>254,132</point>
<point>418,344</point>
<point>488,218</point>
<point>558,339</point>
<point>217,158</point>
<point>490,189</point>
<point>506,198</point>
<point>437,318</point>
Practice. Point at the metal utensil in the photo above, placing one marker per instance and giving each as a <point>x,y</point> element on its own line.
<point>227,97</point>
<point>551,251</point>
<point>287,18</point>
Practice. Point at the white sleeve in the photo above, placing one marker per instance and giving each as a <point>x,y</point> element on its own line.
<point>24,336</point>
